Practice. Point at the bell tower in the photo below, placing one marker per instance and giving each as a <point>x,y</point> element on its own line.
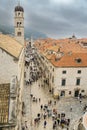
<point>19,23</point>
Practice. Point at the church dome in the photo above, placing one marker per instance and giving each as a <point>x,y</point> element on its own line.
<point>19,8</point>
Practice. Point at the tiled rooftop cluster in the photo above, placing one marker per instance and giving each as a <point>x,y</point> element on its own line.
<point>69,52</point>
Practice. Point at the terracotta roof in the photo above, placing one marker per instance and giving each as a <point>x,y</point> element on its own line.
<point>72,60</point>
<point>71,50</point>
<point>10,45</point>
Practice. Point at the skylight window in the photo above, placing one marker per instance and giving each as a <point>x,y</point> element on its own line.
<point>78,60</point>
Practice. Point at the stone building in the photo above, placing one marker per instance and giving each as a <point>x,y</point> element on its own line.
<point>11,80</point>
<point>12,74</point>
<point>64,65</point>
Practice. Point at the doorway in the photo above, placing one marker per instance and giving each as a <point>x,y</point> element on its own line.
<point>76,94</point>
<point>62,94</point>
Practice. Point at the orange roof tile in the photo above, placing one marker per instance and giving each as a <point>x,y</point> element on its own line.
<point>71,60</point>
<point>72,49</point>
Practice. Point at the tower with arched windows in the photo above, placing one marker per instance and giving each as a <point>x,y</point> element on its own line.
<point>19,24</point>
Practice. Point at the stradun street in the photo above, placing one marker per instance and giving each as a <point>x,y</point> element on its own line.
<point>40,109</point>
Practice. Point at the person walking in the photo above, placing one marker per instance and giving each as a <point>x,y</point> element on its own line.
<point>39,99</point>
<point>70,108</point>
<point>80,101</point>
<point>41,107</point>
<point>23,128</point>
<point>45,123</point>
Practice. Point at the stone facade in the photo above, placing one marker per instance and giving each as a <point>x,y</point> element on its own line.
<point>55,77</point>
<point>12,72</point>
<point>75,81</point>
<point>8,67</point>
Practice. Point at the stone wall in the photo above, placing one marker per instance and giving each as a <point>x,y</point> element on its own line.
<point>8,67</point>
<point>70,77</point>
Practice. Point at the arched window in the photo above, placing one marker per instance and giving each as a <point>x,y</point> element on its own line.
<point>18,14</point>
<point>19,33</point>
<point>17,24</point>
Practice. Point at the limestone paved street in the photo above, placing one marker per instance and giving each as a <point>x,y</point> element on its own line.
<point>39,92</point>
<point>62,106</point>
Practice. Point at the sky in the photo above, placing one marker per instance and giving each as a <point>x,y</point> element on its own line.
<point>55,18</point>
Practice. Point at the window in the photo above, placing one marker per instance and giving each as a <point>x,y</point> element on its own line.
<point>82,91</point>
<point>17,24</point>
<point>63,82</point>
<point>78,81</point>
<point>79,72</point>
<point>78,60</point>
<point>69,92</point>
<point>18,14</point>
<point>64,71</point>
<point>62,93</point>
<point>19,33</point>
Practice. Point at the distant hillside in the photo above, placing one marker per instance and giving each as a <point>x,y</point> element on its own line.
<point>28,32</point>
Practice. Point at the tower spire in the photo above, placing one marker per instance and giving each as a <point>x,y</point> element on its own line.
<point>18,2</point>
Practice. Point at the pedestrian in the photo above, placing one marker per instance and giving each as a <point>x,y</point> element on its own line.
<point>45,123</point>
<point>54,102</point>
<point>55,122</point>
<point>68,121</point>
<point>26,125</point>
<point>41,107</point>
<point>71,109</point>
<point>50,91</point>
<point>26,128</point>
<point>38,115</point>
<point>53,126</point>
<point>39,99</point>
<point>45,115</point>
<point>58,121</point>
<point>50,102</point>
<point>31,95</point>
<point>58,97</point>
<point>35,120</point>
<point>80,101</point>
<point>23,128</point>
<point>78,97</point>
